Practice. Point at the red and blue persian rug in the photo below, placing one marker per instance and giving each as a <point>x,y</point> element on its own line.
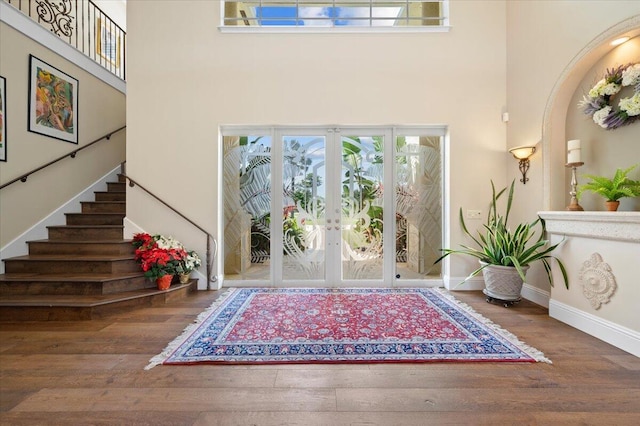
<point>306,325</point>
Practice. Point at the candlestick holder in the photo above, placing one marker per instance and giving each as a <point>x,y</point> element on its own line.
<point>573,204</point>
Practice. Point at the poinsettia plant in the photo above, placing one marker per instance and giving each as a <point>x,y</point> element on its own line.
<point>158,255</point>
<point>190,262</point>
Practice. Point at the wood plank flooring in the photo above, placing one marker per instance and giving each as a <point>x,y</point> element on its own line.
<point>92,372</point>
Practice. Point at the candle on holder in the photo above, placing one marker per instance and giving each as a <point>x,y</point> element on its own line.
<point>573,151</point>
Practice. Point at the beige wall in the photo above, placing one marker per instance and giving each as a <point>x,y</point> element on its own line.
<point>101,109</point>
<point>175,107</point>
<point>543,39</point>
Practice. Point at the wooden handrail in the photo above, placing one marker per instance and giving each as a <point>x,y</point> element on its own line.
<point>210,256</point>
<point>71,154</point>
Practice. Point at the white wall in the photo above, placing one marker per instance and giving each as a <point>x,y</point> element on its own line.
<point>544,38</point>
<point>184,83</point>
<point>114,9</point>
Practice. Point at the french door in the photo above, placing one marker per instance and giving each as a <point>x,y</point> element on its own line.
<point>308,207</point>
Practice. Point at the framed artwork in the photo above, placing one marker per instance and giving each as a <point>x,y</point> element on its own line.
<point>53,102</point>
<point>3,119</point>
<point>108,42</point>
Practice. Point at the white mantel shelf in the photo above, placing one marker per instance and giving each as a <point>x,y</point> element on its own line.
<point>617,226</point>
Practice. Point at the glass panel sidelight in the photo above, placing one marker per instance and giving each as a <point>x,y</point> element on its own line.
<point>303,207</point>
<point>418,205</point>
<point>361,190</point>
<point>247,203</point>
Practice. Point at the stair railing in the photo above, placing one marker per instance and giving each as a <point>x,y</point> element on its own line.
<point>210,240</point>
<point>71,154</point>
<point>83,25</point>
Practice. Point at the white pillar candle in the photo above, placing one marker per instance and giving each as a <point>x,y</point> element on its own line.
<point>573,151</point>
<point>573,144</point>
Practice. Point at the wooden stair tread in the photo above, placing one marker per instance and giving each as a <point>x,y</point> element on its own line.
<point>69,277</point>
<point>87,301</point>
<point>106,241</point>
<point>97,213</point>
<point>86,226</point>
<point>72,257</point>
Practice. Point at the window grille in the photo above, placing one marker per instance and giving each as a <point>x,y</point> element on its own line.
<point>335,14</point>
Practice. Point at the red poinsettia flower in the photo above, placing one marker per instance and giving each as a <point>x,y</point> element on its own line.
<point>158,261</point>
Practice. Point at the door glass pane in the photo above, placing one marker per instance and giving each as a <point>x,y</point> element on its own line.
<point>418,186</point>
<point>303,207</point>
<point>247,203</point>
<point>362,207</point>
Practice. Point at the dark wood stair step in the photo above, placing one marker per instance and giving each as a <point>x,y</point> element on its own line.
<point>82,264</point>
<point>112,247</point>
<point>110,196</point>
<point>94,218</point>
<point>116,186</point>
<point>103,206</point>
<point>72,283</point>
<point>74,308</point>
<point>85,232</point>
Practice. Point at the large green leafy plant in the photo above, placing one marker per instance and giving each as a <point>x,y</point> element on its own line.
<point>498,245</point>
<point>612,189</point>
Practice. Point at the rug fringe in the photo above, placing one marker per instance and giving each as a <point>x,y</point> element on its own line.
<point>171,347</point>
<point>530,350</point>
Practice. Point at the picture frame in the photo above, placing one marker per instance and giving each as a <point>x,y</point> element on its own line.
<point>3,119</point>
<point>107,42</point>
<point>53,102</point>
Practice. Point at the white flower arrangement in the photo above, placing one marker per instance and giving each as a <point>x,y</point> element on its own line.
<point>191,262</point>
<point>169,242</point>
<point>598,105</point>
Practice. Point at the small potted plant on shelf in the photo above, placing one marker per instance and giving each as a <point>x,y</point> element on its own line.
<point>159,257</point>
<point>612,189</point>
<point>188,263</point>
<point>505,255</point>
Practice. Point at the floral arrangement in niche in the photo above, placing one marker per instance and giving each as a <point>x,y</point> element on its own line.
<point>598,103</point>
<point>159,255</point>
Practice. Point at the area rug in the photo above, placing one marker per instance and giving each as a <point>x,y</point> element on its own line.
<point>305,325</point>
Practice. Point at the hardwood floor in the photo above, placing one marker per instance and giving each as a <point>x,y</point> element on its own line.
<point>92,372</point>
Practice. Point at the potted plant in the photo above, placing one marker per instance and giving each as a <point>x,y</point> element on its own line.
<point>612,189</point>
<point>159,257</point>
<point>188,263</point>
<point>505,255</point>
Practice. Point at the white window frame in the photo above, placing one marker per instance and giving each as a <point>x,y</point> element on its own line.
<point>443,27</point>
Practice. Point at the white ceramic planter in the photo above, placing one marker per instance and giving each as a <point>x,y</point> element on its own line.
<point>502,282</point>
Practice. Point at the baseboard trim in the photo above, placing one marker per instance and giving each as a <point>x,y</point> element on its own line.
<point>535,295</point>
<point>621,337</point>
<point>456,283</point>
<point>19,247</point>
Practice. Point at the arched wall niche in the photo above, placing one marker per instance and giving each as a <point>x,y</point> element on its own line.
<point>554,133</point>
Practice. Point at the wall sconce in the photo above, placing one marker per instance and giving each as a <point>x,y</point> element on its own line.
<point>522,154</point>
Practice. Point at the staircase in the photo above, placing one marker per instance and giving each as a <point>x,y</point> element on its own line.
<point>84,271</point>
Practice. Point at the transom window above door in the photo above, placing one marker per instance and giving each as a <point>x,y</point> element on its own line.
<point>336,15</point>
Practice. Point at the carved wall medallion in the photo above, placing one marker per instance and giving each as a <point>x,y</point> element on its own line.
<point>598,282</point>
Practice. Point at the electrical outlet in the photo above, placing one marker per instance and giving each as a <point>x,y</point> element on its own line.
<point>474,214</point>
